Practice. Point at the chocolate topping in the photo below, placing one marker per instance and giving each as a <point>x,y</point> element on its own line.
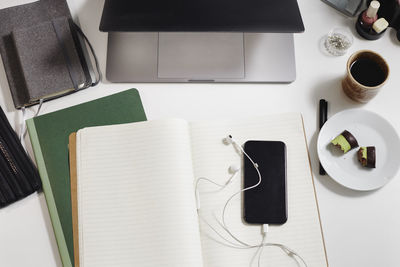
<point>350,138</point>
<point>371,157</point>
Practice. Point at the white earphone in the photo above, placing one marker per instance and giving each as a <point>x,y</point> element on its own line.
<point>234,170</point>
<point>228,140</point>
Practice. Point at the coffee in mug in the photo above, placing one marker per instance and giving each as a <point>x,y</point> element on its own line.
<point>367,72</point>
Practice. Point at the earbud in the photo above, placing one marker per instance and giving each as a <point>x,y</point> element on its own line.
<point>228,140</point>
<point>233,169</point>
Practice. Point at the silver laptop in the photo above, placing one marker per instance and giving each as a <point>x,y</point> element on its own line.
<point>200,57</point>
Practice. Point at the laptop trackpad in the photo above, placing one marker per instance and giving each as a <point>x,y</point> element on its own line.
<point>200,56</point>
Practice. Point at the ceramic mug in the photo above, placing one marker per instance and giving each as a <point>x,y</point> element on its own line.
<point>366,73</point>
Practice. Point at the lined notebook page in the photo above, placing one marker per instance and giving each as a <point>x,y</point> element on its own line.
<point>212,159</point>
<point>135,196</point>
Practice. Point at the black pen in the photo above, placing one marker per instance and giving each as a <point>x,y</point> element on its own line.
<point>323,117</point>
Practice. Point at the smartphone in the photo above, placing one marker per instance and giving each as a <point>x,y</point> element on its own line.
<point>266,203</point>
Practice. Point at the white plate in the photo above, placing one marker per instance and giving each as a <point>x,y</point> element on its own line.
<point>369,129</point>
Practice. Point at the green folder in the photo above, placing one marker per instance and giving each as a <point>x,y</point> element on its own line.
<point>49,137</point>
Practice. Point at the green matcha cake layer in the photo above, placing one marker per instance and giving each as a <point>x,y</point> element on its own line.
<point>367,156</point>
<point>346,141</point>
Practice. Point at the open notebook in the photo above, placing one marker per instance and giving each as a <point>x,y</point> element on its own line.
<point>136,204</point>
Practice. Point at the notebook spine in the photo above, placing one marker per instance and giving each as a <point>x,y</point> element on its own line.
<point>22,95</point>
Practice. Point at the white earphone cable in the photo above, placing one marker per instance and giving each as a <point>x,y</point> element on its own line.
<point>22,126</point>
<point>240,191</point>
<point>241,245</point>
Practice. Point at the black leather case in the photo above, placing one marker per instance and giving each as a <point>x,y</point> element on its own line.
<point>18,175</point>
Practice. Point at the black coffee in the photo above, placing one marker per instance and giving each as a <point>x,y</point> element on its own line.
<point>367,72</point>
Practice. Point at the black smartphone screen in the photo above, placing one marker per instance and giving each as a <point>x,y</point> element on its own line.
<point>266,203</point>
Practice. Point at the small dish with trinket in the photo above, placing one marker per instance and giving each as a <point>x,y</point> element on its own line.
<point>338,41</point>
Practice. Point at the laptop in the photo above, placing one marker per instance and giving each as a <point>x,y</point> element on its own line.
<point>201,41</point>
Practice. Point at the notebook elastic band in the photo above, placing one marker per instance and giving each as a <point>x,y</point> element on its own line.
<point>66,56</point>
<point>96,61</point>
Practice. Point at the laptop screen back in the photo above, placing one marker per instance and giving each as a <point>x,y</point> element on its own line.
<point>205,15</point>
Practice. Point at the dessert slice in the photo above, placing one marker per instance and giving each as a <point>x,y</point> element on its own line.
<point>367,157</point>
<point>345,141</point>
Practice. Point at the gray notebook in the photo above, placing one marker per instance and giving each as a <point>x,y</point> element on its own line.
<point>43,53</point>
<point>49,61</point>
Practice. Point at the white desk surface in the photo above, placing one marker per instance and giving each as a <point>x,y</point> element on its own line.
<point>360,228</point>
